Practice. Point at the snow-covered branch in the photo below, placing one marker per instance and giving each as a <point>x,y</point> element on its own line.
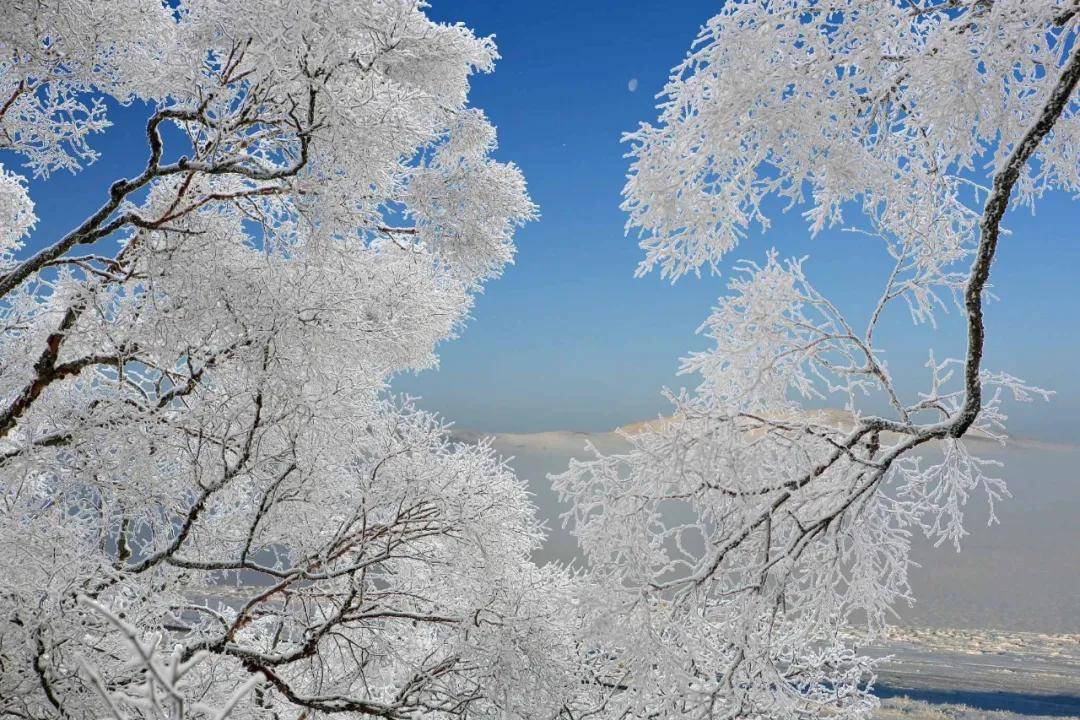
<point>209,506</point>
<point>737,541</point>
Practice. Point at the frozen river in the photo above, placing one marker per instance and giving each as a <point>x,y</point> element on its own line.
<point>1023,673</point>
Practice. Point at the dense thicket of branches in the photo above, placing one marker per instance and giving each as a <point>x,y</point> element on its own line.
<point>210,505</point>
<point>196,450</point>
<point>737,542</point>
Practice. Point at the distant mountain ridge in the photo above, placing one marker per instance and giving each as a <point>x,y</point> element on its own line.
<point>833,417</point>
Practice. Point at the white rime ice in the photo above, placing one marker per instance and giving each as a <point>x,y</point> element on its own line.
<point>736,543</point>
<point>210,504</point>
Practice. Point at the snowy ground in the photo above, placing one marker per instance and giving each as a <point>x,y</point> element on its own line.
<point>1017,583</point>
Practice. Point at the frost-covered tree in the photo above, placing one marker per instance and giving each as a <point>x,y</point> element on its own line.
<point>736,542</point>
<point>208,502</point>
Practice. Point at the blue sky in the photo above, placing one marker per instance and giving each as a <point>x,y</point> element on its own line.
<point>568,338</point>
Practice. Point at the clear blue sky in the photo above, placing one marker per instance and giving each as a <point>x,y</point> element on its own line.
<point>568,338</point>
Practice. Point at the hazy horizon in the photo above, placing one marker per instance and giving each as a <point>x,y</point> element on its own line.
<point>1020,574</point>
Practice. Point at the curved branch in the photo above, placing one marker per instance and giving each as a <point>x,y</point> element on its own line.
<point>990,229</point>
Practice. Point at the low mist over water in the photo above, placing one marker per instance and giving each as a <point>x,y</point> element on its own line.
<point>1022,574</point>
